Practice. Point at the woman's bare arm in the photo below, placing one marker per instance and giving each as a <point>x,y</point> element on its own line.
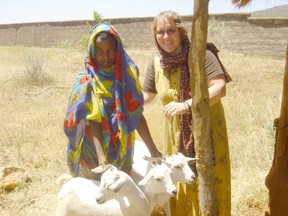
<point>216,88</point>
<point>148,97</point>
<point>97,137</point>
<point>144,133</point>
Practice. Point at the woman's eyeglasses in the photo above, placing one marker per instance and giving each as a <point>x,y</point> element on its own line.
<point>169,32</point>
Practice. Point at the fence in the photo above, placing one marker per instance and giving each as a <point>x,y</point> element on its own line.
<point>238,33</point>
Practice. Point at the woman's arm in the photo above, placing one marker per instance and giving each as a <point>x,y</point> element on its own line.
<point>97,137</point>
<point>148,97</point>
<point>216,88</point>
<point>144,133</point>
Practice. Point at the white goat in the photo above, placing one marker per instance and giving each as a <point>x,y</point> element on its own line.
<point>78,196</point>
<point>178,163</point>
<point>158,186</point>
<point>121,195</point>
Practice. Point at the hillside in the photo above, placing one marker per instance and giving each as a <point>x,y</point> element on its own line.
<point>275,12</point>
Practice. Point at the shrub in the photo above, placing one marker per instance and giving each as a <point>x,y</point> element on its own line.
<point>83,43</point>
<point>36,68</point>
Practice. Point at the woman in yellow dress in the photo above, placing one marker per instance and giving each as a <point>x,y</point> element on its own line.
<point>168,77</point>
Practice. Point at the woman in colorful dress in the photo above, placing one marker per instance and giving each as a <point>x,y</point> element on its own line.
<point>168,77</point>
<point>105,108</point>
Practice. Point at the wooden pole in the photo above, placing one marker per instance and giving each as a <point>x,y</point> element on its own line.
<point>277,178</point>
<point>200,108</point>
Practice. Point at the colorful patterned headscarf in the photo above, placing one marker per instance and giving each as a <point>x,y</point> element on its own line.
<point>111,97</point>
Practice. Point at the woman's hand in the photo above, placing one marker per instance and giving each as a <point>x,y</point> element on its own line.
<point>155,153</point>
<point>174,108</point>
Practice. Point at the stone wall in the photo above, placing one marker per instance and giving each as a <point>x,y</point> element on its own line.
<point>238,33</point>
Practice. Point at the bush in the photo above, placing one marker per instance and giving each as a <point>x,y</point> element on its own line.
<point>36,68</point>
<point>83,43</point>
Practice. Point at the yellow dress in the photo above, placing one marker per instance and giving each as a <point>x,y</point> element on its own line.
<point>186,202</point>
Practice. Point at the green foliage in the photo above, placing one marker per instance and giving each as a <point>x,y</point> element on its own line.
<point>83,43</point>
<point>98,18</point>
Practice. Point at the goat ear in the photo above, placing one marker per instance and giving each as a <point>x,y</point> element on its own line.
<point>157,160</point>
<point>146,157</point>
<point>116,186</point>
<point>99,169</point>
<point>191,160</point>
<point>146,178</point>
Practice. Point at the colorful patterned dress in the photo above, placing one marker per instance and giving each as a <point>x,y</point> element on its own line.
<point>111,97</point>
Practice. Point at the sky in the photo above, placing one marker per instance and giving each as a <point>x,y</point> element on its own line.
<point>27,11</point>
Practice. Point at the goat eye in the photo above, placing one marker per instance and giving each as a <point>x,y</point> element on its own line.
<point>177,167</point>
<point>158,179</point>
<point>117,176</point>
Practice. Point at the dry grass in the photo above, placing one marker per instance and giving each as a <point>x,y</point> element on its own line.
<point>32,135</point>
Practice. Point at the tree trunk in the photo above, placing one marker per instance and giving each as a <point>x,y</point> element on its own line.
<point>277,178</point>
<point>200,108</point>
